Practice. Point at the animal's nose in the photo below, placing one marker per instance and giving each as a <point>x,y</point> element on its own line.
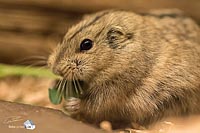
<point>73,65</point>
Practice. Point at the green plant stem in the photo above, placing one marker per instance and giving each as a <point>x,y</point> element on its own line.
<point>8,70</point>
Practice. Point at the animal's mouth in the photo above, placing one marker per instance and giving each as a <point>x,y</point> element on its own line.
<point>66,89</point>
<point>70,88</point>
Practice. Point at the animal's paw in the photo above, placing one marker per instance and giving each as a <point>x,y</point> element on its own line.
<point>72,105</point>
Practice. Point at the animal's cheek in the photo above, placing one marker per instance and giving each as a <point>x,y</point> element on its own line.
<point>86,72</point>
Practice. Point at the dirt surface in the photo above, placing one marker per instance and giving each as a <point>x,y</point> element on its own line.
<point>26,89</point>
<point>13,115</point>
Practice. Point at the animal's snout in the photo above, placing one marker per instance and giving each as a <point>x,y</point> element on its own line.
<point>57,71</point>
<point>73,65</point>
<point>67,68</point>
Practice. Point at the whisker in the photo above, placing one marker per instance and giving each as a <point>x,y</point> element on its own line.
<point>58,87</point>
<point>79,87</point>
<point>63,86</point>
<point>33,61</point>
<point>70,89</point>
<point>64,68</point>
<point>36,57</point>
<point>67,90</point>
<point>66,74</point>
<point>57,84</point>
<point>30,61</point>
<point>41,64</point>
<point>37,64</point>
<point>76,89</point>
<point>31,58</point>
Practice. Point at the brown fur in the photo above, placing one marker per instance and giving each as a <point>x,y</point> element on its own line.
<point>141,68</point>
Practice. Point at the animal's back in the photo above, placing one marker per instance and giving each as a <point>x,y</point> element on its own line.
<point>175,77</point>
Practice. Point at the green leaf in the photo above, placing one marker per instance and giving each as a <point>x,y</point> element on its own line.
<point>54,96</point>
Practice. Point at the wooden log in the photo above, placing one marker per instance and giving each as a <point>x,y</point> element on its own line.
<point>13,116</point>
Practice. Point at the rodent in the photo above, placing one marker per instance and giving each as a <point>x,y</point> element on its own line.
<point>134,67</point>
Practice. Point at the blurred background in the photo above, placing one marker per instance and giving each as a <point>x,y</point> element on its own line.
<point>34,27</point>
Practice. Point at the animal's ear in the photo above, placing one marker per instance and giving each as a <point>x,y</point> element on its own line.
<point>116,36</point>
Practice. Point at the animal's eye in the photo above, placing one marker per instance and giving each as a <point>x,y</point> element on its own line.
<point>86,44</point>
